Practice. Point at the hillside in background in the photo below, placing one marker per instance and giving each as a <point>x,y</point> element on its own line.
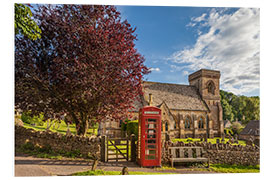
<point>241,108</point>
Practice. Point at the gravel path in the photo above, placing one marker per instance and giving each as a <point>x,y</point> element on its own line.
<point>31,166</point>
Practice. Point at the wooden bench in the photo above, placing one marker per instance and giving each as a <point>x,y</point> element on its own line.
<point>187,154</point>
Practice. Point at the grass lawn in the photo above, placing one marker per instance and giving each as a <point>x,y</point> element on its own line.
<point>213,140</point>
<point>102,173</point>
<point>62,128</point>
<point>223,168</point>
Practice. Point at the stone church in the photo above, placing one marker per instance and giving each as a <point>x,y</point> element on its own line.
<point>192,110</point>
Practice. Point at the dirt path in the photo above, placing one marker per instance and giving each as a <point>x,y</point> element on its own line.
<point>32,166</point>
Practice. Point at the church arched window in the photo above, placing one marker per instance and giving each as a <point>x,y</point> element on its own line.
<point>187,122</point>
<point>166,126</point>
<point>211,87</point>
<point>201,123</point>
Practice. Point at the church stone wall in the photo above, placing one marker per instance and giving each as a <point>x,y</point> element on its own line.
<point>58,142</point>
<point>220,153</point>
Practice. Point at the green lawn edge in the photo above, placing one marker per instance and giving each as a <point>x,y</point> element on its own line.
<point>104,173</point>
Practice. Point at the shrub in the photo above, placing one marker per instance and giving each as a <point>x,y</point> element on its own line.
<point>124,125</point>
<point>45,149</point>
<point>132,128</point>
<point>236,128</point>
<point>28,146</point>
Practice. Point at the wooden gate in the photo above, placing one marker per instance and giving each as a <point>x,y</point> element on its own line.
<point>117,149</point>
<point>114,149</point>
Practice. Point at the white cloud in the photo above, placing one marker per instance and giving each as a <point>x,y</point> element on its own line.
<point>199,19</point>
<point>231,45</point>
<point>155,69</point>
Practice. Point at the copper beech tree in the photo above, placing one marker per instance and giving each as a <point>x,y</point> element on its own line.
<point>84,65</point>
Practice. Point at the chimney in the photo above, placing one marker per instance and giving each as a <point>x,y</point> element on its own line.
<point>150,100</point>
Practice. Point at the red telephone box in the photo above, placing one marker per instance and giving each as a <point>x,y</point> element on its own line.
<point>149,136</point>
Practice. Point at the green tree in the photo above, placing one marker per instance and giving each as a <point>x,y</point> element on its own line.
<point>227,110</point>
<point>24,24</point>
<point>240,107</point>
<point>252,109</point>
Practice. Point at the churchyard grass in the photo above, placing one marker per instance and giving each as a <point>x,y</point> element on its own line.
<point>212,140</point>
<point>62,128</point>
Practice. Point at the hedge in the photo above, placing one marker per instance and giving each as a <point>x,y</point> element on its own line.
<point>131,127</point>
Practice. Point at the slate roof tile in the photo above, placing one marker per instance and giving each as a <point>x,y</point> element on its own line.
<point>176,96</point>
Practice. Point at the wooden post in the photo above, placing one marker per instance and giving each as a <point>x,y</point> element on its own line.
<point>133,148</point>
<point>103,149</point>
<point>116,155</point>
<point>94,165</point>
<point>127,149</point>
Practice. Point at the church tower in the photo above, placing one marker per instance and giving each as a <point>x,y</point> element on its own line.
<point>207,83</point>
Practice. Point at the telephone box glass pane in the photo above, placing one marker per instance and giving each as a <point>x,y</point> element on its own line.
<point>150,131</point>
<point>150,141</point>
<point>150,126</point>
<point>150,157</point>
<point>152,120</point>
<point>151,146</point>
<point>152,152</point>
<point>151,136</point>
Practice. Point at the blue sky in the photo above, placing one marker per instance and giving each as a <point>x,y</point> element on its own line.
<point>177,41</point>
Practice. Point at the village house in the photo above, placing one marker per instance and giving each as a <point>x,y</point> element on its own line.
<point>251,131</point>
<point>192,110</point>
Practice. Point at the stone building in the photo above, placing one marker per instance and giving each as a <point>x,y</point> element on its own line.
<point>251,131</point>
<point>192,110</point>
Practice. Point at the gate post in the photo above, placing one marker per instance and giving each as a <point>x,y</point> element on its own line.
<point>103,149</point>
<point>133,148</point>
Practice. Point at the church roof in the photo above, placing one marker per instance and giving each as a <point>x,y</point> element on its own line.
<point>176,96</point>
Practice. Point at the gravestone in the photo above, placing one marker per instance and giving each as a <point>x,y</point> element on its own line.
<point>223,139</point>
<point>236,139</point>
<point>68,133</point>
<point>167,137</point>
<point>205,137</point>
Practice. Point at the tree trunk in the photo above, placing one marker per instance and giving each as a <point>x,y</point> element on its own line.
<point>82,128</point>
<point>81,122</point>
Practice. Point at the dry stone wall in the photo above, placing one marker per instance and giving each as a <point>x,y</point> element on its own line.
<point>221,153</point>
<point>58,142</point>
